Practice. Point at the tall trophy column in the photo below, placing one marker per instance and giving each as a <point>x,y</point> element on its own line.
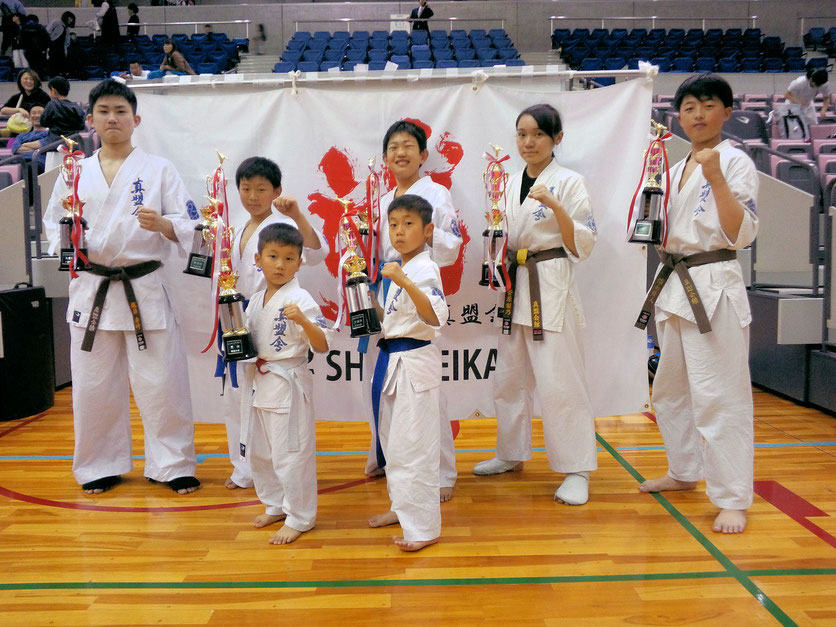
<point>494,273</point>
<point>652,202</point>
<point>361,312</point>
<point>237,341</point>
<point>71,227</point>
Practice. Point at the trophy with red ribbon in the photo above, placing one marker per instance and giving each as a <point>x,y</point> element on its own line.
<point>201,256</point>
<point>362,315</point>
<point>653,201</point>
<point>237,341</point>
<point>73,246</point>
<point>495,236</point>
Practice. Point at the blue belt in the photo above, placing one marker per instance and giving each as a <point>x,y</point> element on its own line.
<point>394,345</point>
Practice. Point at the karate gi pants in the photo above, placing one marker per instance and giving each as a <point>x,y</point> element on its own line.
<point>101,404</point>
<point>285,481</point>
<point>242,474</point>
<point>447,473</point>
<point>702,396</point>
<point>409,435</point>
<point>554,367</point>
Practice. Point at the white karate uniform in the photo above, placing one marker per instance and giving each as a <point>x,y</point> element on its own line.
<point>806,93</point>
<point>157,375</point>
<point>553,366</point>
<point>250,281</point>
<point>281,444</point>
<point>409,422</point>
<point>702,394</point>
<point>447,240</point>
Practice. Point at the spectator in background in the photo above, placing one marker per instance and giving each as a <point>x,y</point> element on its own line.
<point>173,62</point>
<point>208,30</point>
<point>27,143</point>
<point>420,16</point>
<point>135,72</point>
<point>803,91</point>
<point>132,31</point>
<point>110,22</point>
<point>34,41</point>
<point>62,116</point>
<point>29,95</point>
<point>10,29</point>
<point>59,36</point>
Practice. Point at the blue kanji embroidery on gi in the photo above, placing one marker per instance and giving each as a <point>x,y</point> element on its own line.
<point>391,306</point>
<point>704,192</point>
<point>279,329</point>
<point>590,223</point>
<point>539,213</point>
<point>437,292</point>
<point>454,227</point>
<point>137,195</point>
<point>751,206</point>
<point>321,321</point>
<point>192,210</point>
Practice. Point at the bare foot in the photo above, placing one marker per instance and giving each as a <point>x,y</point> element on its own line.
<point>404,545</point>
<point>267,519</point>
<point>377,472</point>
<point>665,484</point>
<point>730,521</point>
<point>229,484</point>
<point>382,520</point>
<point>285,535</point>
<point>445,494</point>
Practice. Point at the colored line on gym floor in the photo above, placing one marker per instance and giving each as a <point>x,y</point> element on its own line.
<point>716,553</point>
<point>22,424</point>
<point>794,506</point>
<point>402,583</point>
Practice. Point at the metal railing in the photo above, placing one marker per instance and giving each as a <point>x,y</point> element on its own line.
<point>349,21</point>
<point>194,25</point>
<point>652,18</point>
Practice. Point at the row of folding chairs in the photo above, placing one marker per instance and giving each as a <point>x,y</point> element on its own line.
<point>402,64</point>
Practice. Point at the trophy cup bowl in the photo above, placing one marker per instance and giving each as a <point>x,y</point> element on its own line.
<point>362,314</point>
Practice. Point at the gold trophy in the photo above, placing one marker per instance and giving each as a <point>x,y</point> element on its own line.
<point>237,341</point>
<point>73,245</point>
<point>495,179</point>
<point>648,228</point>
<point>361,312</point>
<point>203,242</point>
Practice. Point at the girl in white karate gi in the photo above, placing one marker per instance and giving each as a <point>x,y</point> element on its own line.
<point>549,215</point>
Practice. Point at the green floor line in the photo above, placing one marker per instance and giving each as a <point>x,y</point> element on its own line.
<point>402,583</point>
<point>733,570</point>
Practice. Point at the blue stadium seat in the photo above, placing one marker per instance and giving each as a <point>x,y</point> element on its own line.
<point>360,34</point>
<point>399,46</point>
<point>750,65</point>
<point>792,52</point>
<point>486,54</point>
<point>308,66</point>
<point>377,65</point>
<point>508,53</point>
<point>402,61</point>
<point>795,64</point>
<point>338,44</point>
<point>316,44</point>
<point>438,34</point>
<point>462,54</point>
<point>342,34</point>
<point>682,64</point>
<point>420,37</point>
<point>420,53</point>
<point>478,32</point>
<point>199,38</point>
<point>379,44</point>
<point>295,44</point>
<point>704,64</point>
<point>443,54</point>
<point>664,63</point>
<point>302,34</point>
<point>814,38</point>
<point>497,32</point>
<point>817,63</point>
<point>290,56</point>
<point>348,66</point>
<point>445,63</point>
<point>380,34</point>
<point>282,67</point>
<point>422,64</point>
<point>327,65</point>
<point>727,64</point>
<point>322,35</point>
<point>334,55</point>
<point>772,65</point>
<point>378,55</point>
<point>513,62</point>
<point>206,68</point>
<point>592,64</point>
<point>314,56</point>
<point>559,35</point>
<point>355,56</point>
<point>614,63</point>
<point>470,63</point>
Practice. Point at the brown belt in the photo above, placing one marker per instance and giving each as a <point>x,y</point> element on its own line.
<point>680,264</point>
<point>530,261</point>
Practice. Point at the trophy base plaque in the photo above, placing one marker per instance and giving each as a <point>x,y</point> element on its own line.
<point>364,322</point>
<point>199,265</point>
<point>488,278</point>
<point>238,347</point>
<point>647,232</point>
<point>66,259</point>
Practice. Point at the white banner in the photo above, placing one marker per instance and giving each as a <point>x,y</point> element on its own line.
<point>322,138</point>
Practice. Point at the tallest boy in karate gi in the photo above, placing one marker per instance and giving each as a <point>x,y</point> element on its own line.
<point>702,394</point>
<point>134,204</point>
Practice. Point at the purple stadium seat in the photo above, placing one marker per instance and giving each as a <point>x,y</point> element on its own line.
<point>824,146</point>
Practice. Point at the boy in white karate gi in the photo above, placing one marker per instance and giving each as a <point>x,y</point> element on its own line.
<point>407,378</point>
<point>285,321</point>
<point>803,91</point>
<point>404,152</point>
<point>133,203</point>
<point>702,393</point>
<point>259,182</point>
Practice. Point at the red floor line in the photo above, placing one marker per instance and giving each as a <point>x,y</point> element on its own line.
<point>649,414</point>
<point>22,424</point>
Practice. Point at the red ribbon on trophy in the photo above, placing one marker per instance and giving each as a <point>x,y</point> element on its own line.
<point>372,249</point>
<point>71,172</point>
<point>495,237</point>
<point>349,239</point>
<point>654,157</point>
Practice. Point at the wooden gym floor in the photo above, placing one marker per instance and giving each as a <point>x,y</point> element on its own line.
<point>141,555</point>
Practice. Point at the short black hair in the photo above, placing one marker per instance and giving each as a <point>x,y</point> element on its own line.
<point>59,84</point>
<point>281,234</point>
<point>110,87</point>
<point>411,128</point>
<point>133,8</point>
<point>414,204</point>
<point>704,87</point>
<point>818,76</point>
<point>547,118</point>
<point>259,166</point>
<point>68,18</point>
<point>133,60</point>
